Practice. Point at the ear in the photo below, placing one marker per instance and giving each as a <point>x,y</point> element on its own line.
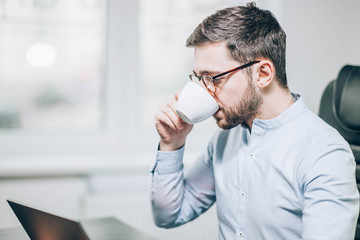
<point>265,74</point>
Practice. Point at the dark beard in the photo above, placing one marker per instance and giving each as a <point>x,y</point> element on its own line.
<point>247,109</point>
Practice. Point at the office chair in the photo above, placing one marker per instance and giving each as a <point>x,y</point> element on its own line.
<point>340,107</point>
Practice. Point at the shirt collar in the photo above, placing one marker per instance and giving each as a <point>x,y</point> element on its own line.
<point>286,116</point>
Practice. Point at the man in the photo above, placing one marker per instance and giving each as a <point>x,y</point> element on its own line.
<point>275,170</point>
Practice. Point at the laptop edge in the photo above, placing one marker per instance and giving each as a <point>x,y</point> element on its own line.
<point>42,225</point>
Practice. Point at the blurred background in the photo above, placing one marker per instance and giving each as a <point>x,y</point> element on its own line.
<point>80,81</point>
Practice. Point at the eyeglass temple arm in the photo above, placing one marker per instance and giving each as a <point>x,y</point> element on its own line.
<point>237,68</point>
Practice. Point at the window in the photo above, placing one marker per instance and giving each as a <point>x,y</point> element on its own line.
<point>55,76</point>
<point>52,65</point>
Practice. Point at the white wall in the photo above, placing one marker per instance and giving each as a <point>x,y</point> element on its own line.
<point>323,35</point>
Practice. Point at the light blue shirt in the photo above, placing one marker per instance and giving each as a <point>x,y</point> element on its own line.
<point>292,177</point>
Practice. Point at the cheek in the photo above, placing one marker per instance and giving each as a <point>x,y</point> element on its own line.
<point>227,100</point>
<point>230,96</point>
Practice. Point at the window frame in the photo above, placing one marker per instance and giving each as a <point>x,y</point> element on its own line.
<point>120,88</point>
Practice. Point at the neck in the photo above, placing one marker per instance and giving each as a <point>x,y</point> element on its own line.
<point>275,101</point>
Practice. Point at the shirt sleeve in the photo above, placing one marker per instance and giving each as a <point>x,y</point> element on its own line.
<point>331,198</point>
<point>176,199</point>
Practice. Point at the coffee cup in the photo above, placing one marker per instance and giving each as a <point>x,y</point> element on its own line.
<point>195,104</point>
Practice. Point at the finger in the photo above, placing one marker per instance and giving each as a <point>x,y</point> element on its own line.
<point>175,118</point>
<point>171,112</point>
<point>177,94</point>
<point>174,105</point>
<point>180,124</point>
<point>162,118</point>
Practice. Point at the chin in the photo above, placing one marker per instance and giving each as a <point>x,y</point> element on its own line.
<point>227,124</point>
<point>221,120</point>
<point>222,123</point>
<point>219,115</point>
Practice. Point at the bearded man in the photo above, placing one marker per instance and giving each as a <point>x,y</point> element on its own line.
<point>275,169</point>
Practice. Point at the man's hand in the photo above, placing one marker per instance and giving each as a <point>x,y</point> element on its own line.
<point>171,128</point>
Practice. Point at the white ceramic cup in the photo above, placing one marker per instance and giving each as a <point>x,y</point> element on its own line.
<point>195,104</point>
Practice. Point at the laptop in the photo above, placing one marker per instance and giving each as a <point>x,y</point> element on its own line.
<point>41,225</point>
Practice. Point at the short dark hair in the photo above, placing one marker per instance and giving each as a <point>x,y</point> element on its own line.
<point>249,33</point>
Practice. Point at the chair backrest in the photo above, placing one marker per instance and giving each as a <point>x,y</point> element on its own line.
<point>340,107</point>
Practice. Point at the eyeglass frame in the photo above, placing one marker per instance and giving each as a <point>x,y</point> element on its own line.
<point>201,78</point>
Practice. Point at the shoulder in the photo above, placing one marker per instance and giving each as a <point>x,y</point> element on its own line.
<point>317,132</point>
<point>324,149</point>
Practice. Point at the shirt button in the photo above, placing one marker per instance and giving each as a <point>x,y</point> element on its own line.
<point>251,154</point>
<point>152,190</point>
<point>241,234</point>
<point>242,194</point>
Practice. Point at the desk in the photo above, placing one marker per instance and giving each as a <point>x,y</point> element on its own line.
<point>97,229</point>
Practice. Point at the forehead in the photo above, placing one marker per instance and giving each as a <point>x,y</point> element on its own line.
<point>213,57</point>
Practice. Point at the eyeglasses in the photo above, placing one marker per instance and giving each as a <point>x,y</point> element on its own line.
<point>211,82</point>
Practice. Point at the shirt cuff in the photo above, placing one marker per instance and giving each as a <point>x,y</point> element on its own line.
<point>168,162</point>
